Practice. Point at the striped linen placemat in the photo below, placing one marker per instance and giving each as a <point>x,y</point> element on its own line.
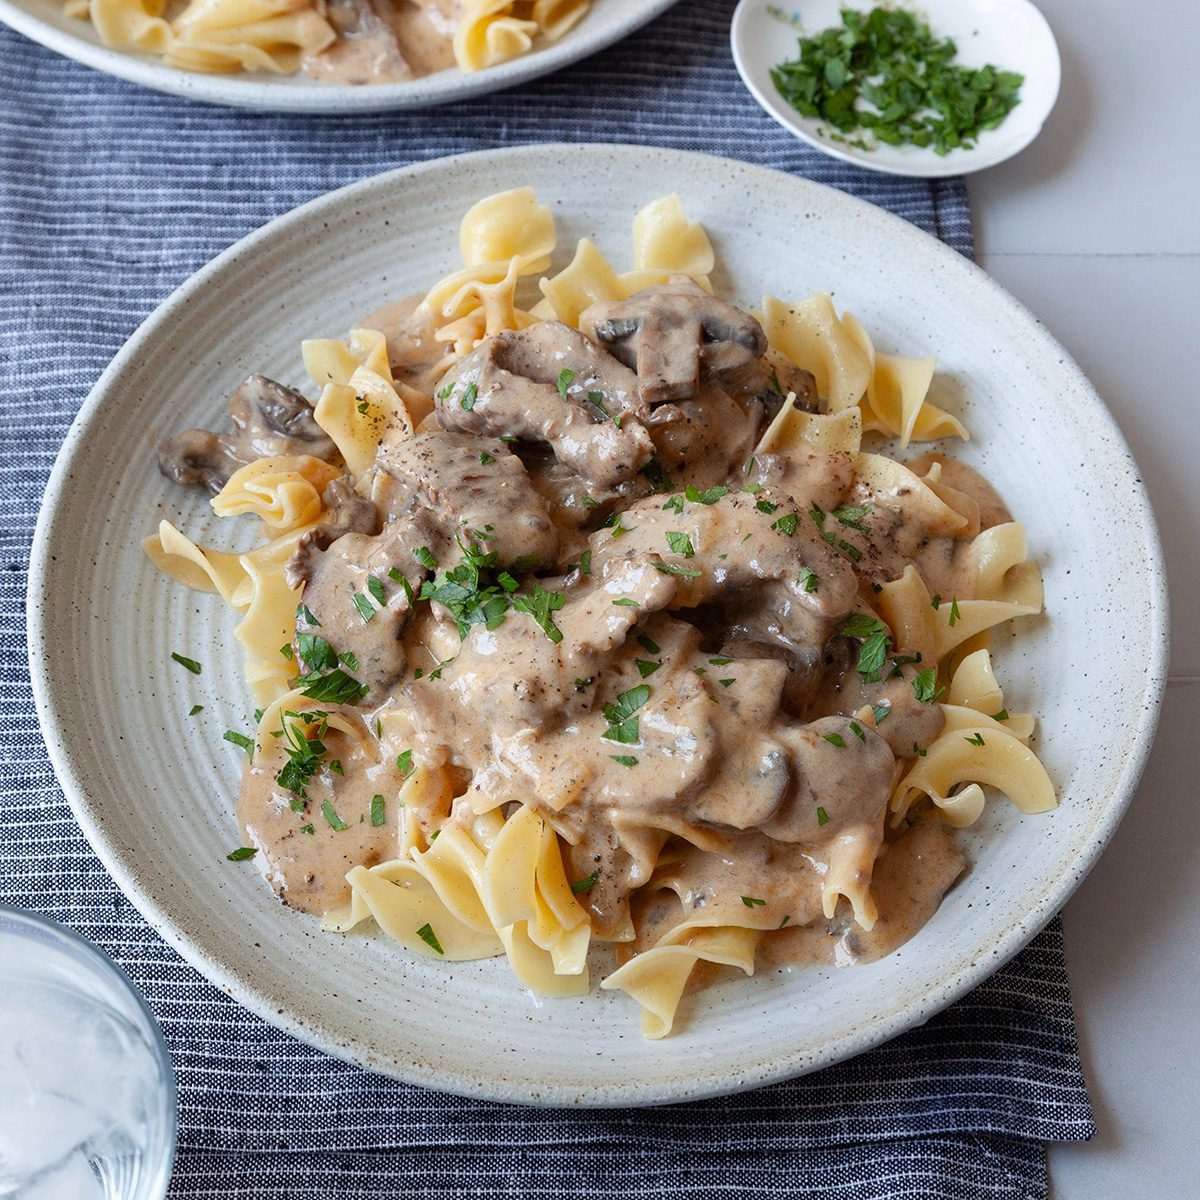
<point>110,196</point>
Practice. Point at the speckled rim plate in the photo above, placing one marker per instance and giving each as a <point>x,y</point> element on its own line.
<point>44,21</point>
<point>152,787</point>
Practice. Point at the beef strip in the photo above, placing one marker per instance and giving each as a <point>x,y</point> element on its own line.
<point>510,386</point>
<point>471,488</point>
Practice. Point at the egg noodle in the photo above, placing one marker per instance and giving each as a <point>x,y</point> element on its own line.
<point>594,621</point>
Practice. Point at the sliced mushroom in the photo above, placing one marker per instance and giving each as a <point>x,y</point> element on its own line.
<point>674,335</point>
<point>550,384</point>
<point>267,419</point>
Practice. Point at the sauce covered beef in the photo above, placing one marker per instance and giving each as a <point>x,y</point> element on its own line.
<point>581,590</point>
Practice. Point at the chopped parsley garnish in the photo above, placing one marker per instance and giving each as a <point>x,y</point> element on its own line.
<point>675,505</point>
<point>315,652</point>
<point>786,524</point>
<point>857,730</point>
<point>189,664</point>
<point>196,708</point>
<point>366,609</point>
<point>376,588</point>
<point>835,739</point>
<point>807,579</point>
<point>333,687</point>
<point>585,562</point>
<point>468,397</point>
<point>425,557</point>
<point>335,765</point>
<point>286,651</point>
<point>582,683</point>
<point>918,751</point>
<point>426,934</point>
<point>976,740</point>
<point>444,394</point>
<point>955,615</point>
<point>240,739</point>
<point>853,551</point>
<point>680,543</point>
<point>753,902</point>
<point>304,753</point>
<point>307,828</point>
<point>625,602</point>
<point>1002,715</point>
<point>622,723</point>
<point>656,476</point>
<point>485,459</point>
<point>241,854</point>
<point>331,816</point>
<point>765,506</point>
<point>785,920</point>
<point>524,561</point>
<point>510,438</point>
<point>645,667</point>
<point>465,592</point>
<point>563,382</point>
<point>540,606</point>
<point>881,712</point>
<point>377,814</point>
<point>719,662</point>
<point>349,660</point>
<point>305,614</point>
<point>676,569</point>
<point>708,496</point>
<point>626,760</point>
<point>362,405</point>
<point>822,816</point>
<point>924,684</point>
<point>875,637</point>
<point>726,682</point>
<point>586,883</point>
<point>851,515</point>
<point>597,398</point>
<point>936,602</point>
<point>884,77</point>
<point>648,644</point>
<point>404,764</point>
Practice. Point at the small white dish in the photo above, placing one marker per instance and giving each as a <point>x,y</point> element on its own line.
<point>45,21</point>
<point>1010,34</point>
<point>153,787</point>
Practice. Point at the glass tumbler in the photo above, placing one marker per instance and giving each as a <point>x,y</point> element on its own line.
<point>88,1101</point>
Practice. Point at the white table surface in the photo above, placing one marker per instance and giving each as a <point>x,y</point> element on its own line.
<point>1096,227</point>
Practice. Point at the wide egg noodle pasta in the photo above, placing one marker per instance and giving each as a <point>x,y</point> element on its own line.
<point>656,978</point>
<point>665,244</point>
<point>270,621</point>
<point>796,430</point>
<point>284,492</point>
<point>360,415</point>
<point>331,360</point>
<point>488,33</point>
<point>811,336</point>
<point>202,570</point>
<point>128,24</point>
<point>221,36</point>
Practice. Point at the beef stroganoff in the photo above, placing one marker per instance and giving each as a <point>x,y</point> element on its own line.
<point>337,41</point>
<point>595,622</point>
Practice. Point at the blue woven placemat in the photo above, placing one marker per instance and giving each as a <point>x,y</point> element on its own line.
<point>111,196</point>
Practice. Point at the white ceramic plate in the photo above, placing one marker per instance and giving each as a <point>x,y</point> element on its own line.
<point>154,789</point>
<point>1010,34</point>
<point>44,21</point>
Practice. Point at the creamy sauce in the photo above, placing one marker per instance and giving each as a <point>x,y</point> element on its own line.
<point>385,41</point>
<point>687,714</point>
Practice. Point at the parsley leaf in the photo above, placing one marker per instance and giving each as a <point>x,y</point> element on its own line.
<point>586,883</point>
<point>924,684</point>
<point>680,543</point>
<point>787,524</point>
<point>875,637</point>
<point>189,663</point>
<point>807,579</point>
<point>708,496</point>
<point>540,606</point>
<point>622,722</point>
<point>426,934</point>
<point>241,854</point>
<point>563,382</point>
